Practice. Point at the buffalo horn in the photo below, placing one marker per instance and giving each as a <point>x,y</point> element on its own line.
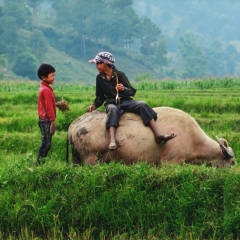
<point>226,151</point>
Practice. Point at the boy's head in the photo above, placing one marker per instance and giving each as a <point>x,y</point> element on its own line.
<point>44,70</point>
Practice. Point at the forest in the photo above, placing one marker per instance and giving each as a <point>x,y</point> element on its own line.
<point>163,39</point>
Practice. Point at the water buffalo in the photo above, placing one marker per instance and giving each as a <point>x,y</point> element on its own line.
<point>90,139</point>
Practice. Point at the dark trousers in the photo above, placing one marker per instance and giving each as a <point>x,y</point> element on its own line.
<point>133,106</point>
<point>46,139</point>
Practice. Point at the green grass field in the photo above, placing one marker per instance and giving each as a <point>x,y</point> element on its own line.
<point>114,201</point>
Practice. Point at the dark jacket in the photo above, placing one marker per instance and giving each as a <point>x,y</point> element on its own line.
<point>105,90</point>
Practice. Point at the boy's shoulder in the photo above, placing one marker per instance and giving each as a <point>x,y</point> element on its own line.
<point>117,71</point>
<point>44,87</point>
<point>120,73</point>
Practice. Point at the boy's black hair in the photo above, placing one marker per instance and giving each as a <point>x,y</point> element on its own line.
<point>44,70</point>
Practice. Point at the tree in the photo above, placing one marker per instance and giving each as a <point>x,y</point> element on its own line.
<point>14,17</point>
<point>3,60</point>
<point>25,65</point>
<point>3,63</point>
<point>214,57</point>
<point>153,46</point>
<point>74,18</point>
<point>124,27</point>
<point>38,44</point>
<point>112,23</point>
<point>149,34</point>
<point>191,56</point>
<point>221,61</point>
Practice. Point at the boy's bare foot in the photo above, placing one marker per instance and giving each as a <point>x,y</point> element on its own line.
<point>164,138</point>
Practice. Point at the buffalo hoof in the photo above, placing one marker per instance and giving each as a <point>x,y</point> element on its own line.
<point>112,146</point>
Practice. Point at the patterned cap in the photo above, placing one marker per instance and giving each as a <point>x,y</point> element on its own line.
<point>105,57</point>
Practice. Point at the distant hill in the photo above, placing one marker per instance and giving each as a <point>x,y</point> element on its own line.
<point>184,39</point>
<point>72,70</point>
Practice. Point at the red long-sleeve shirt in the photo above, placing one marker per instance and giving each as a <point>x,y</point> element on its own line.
<point>46,102</point>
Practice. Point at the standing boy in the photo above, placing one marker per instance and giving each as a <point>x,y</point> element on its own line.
<point>46,109</point>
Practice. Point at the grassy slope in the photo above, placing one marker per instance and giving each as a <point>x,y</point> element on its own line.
<point>72,70</point>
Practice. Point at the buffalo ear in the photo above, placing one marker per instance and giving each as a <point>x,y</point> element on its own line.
<point>228,152</point>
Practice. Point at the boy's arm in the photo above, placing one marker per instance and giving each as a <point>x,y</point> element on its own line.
<point>100,98</point>
<point>91,108</point>
<point>50,105</point>
<point>127,87</point>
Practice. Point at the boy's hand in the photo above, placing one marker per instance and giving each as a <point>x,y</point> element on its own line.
<point>52,128</point>
<point>91,108</point>
<point>62,105</point>
<point>120,87</point>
